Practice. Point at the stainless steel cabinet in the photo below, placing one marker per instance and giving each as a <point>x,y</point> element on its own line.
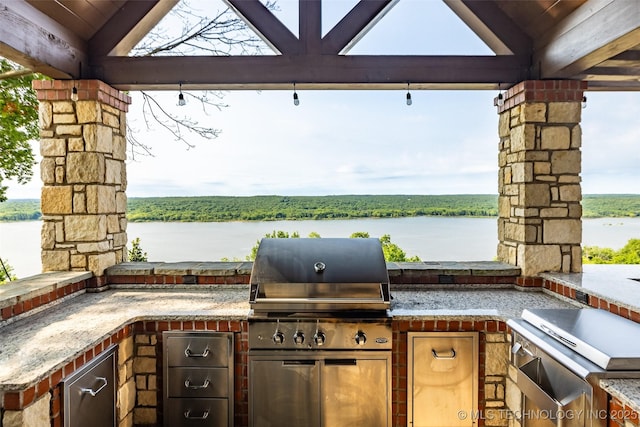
<point>89,394</point>
<point>442,379</point>
<point>326,389</point>
<point>198,379</point>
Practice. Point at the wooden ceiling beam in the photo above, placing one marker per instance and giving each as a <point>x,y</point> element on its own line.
<point>493,26</point>
<point>355,25</point>
<point>268,27</point>
<point>38,42</point>
<point>128,26</point>
<point>595,32</point>
<point>318,72</point>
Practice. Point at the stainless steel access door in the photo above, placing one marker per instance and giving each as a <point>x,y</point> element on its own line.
<point>320,389</point>
<point>442,379</point>
<point>89,394</point>
<point>357,392</point>
<point>284,391</point>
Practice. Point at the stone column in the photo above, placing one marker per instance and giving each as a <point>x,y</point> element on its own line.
<point>540,216</point>
<point>83,145</point>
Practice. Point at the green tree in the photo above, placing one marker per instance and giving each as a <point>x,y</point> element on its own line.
<point>360,235</point>
<point>136,254</point>
<point>629,254</point>
<point>279,234</point>
<point>6,272</point>
<point>393,253</point>
<point>18,124</point>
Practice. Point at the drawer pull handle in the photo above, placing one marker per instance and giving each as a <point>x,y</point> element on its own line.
<point>93,392</point>
<point>451,355</point>
<point>188,384</point>
<point>188,416</point>
<point>189,353</point>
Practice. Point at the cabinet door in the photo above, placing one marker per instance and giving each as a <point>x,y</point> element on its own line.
<point>442,379</point>
<point>288,396</point>
<point>355,392</point>
<point>91,390</point>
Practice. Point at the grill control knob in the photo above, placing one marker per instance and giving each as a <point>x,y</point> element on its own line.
<point>278,337</point>
<point>319,338</point>
<point>298,337</point>
<point>360,338</point>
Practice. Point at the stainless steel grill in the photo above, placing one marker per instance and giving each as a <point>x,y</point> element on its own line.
<point>319,334</point>
<point>319,275</point>
<point>561,354</point>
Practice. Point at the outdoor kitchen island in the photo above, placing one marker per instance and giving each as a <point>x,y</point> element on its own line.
<point>42,346</point>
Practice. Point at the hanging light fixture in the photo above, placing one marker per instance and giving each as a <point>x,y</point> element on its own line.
<point>181,101</point>
<point>584,101</point>
<point>74,92</point>
<point>296,100</point>
<point>500,98</point>
<point>409,101</point>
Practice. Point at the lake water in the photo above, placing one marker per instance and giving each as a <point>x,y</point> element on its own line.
<point>431,238</point>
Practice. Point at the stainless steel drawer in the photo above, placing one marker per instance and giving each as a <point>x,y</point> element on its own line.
<point>194,349</point>
<point>89,394</point>
<point>197,412</point>
<point>198,382</point>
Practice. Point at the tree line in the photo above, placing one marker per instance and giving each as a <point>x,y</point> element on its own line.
<point>277,208</point>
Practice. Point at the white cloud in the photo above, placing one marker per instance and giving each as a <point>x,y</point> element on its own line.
<point>340,142</point>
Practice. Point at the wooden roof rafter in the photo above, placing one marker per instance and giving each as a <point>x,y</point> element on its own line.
<point>593,40</point>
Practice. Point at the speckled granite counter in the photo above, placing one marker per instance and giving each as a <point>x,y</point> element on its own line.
<point>618,284</point>
<point>37,344</point>
<point>40,343</point>
<point>627,391</point>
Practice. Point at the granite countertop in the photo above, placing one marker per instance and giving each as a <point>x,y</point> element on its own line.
<point>618,284</point>
<point>36,345</point>
<point>39,344</point>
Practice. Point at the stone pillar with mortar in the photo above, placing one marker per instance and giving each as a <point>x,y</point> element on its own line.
<point>83,148</point>
<point>540,215</point>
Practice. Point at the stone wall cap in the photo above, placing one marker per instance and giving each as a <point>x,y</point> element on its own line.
<point>30,287</point>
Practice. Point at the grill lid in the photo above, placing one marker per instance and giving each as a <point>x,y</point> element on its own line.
<point>325,274</point>
<point>598,335</point>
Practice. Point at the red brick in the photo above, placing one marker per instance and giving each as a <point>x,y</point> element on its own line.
<point>6,313</point>
<point>12,401</point>
<point>28,396</point>
<point>43,386</point>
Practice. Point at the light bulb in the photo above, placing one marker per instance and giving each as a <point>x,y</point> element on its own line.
<point>500,100</point>
<point>409,101</point>
<point>181,101</point>
<point>74,93</point>
<point>584,102</point>
<point>296,100</point>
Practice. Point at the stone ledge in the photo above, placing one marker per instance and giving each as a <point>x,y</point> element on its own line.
<point>449,268</point>
<point>41,284</point>
<point>180,268</point>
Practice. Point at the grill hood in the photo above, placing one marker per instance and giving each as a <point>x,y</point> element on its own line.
<point>324,274</point>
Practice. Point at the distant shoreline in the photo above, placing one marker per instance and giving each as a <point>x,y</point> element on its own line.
<point>293,208</point>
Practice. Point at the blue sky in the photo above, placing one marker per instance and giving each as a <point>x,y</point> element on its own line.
<point>367,142</point>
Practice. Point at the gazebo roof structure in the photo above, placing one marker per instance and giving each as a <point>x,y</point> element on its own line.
<point>597,41</point>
